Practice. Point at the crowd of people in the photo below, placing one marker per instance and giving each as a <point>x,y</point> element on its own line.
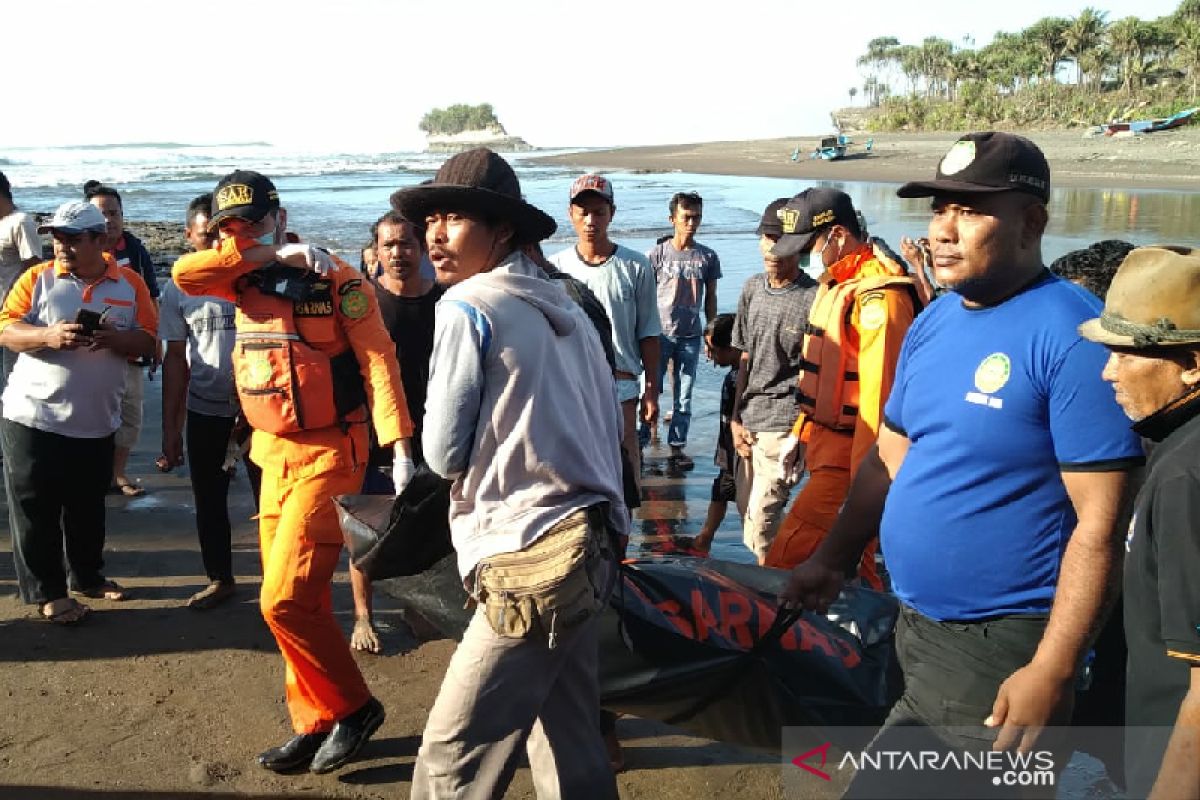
<point>949,416</point>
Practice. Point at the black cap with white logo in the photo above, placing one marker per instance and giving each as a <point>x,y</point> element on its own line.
<point>987,163</point>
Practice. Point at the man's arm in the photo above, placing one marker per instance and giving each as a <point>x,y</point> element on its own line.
<point>881,317</point>
<point>815,583</point>
<point>136,342</point>
<point>29,244</point>
<point>376,354</point>
<point>742,440</point>
<point>1041,692</point>
<point>461,337</point>
<point>710,300</point>
<point>175,376</point>
<point>1179,775</point>
<point>24,337</point>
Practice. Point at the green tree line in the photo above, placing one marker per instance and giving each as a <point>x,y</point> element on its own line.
<point>1059,70</point>
<point>458,118</point>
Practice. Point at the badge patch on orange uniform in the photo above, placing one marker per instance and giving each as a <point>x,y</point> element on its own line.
<point>872,312</point>
<point>354,304</point>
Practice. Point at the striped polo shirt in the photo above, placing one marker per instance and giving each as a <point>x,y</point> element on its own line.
<point>74,393</point>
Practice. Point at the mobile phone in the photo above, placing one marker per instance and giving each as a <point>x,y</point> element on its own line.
<point>90,320</point>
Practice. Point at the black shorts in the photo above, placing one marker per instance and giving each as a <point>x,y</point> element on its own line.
<point>724,488</point>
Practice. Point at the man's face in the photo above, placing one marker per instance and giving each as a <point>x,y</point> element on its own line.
<point>976,239</point>
<point>686,221</point>
<point>269,229</point>
<point>398,250</point>
<point>1145,382</point>
<point>774,266</point>
<point>461,245</point>
<point>79,250</point>
<point>110,207</point>
<point>197,233</point>
<point>721,355</point>
<point>591,214</point>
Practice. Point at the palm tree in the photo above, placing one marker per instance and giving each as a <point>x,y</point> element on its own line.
<point>1187,43</point>
<point>1048,38</point>
<point>1084,34</point>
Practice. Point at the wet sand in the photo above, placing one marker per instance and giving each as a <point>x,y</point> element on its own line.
<point>147,700</point>
<point>1167,160</point>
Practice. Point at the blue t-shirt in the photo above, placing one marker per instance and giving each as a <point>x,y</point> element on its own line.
<point>996,402</point>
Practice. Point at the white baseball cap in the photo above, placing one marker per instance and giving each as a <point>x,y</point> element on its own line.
<point>74,217</point>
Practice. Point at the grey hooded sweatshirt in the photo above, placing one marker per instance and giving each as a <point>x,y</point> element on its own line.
<point>521,413</point>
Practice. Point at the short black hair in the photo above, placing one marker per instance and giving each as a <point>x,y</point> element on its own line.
<point>396,218</point>
<point>720,330</point>
<point>687,200</point>
<point>5,187</point>
<point>202,204</point>
<point>1093,267</point>
<point>97,189</point>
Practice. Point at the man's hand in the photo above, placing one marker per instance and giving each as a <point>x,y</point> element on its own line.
<point>120,342</point>
<point>813,586</point>
<point>66,336</point>
<point>650,405</point>
<point>305,256</point>
<point>172,452</point>
<point>743,439</point>
<point>791,459</point>
<point>403,470</point>
<point>1029,700</point>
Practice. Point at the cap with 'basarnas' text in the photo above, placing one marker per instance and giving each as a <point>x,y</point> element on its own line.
<point>807,214</point>
<point>988,162</point>
<point>243,194</point>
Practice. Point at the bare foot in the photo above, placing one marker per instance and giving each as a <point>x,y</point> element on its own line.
<point>64,611</point>
<point>212,595</point>
<point>365,637</point>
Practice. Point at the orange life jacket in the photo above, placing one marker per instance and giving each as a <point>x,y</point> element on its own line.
<point>828,393</point>
<point>285,384</point>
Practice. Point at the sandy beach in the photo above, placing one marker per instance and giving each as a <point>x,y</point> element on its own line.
<point>147,700</point>
<point>1167,160</point>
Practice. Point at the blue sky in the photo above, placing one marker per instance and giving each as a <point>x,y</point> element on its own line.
<point>359,74</point>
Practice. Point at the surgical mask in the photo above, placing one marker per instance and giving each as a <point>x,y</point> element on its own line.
<point>806,257</point>
<point>269,238</point>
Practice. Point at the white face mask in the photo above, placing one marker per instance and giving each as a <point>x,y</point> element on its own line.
<point>270,237</point>
<point>806,258</point>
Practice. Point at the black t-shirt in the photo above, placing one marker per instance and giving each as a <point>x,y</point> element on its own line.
<point>409,321</point>
<point>1162,599</point>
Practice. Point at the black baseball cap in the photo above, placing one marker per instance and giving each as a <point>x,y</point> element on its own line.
<point>989,162</point>
<point>809,213</point>
<point>771,224</point>
<point>243,194</point>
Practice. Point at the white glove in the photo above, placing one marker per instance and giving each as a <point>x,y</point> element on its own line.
<point>791,459</point>
<point>403,470</point>
<point>314,258</point>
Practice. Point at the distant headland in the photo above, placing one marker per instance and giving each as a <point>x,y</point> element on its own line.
<point>462,127</point>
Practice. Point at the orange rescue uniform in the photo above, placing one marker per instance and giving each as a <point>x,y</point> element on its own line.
<point>298,530</point>
<point>863,308</point>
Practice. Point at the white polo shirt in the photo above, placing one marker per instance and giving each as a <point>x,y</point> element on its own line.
<point>74,393</point>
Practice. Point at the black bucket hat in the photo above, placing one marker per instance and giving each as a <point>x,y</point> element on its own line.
<point>477,180</point>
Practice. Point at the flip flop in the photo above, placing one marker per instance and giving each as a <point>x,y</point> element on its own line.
<point>127,489</point>
<point>109,590</point>
<point>72,613</point>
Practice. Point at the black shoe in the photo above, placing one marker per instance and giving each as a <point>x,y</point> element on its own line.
<point>348,737</point>
<point>296,752</point>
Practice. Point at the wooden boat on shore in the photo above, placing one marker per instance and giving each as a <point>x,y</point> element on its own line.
<point>1151,125</point>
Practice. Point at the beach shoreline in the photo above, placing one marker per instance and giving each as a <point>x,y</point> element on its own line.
<point>1166,161</point>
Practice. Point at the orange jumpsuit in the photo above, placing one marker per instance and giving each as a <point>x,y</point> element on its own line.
<point>878,312</point>
<point>298,530</point>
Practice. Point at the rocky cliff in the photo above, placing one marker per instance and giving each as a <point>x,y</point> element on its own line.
<point>494,137</point>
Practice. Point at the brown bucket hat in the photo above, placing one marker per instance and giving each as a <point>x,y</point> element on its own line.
<point>1154,300</point>
<point>477,180</point>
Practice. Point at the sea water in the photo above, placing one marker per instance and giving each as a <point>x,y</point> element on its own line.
<point>333,198</point>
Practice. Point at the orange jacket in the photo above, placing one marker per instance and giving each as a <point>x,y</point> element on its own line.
<point>352,322</point>
<point>862,310</point>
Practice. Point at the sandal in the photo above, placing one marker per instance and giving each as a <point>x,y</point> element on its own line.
<point>69,611</point>
<point>109,590</point>
<point>127,489</point>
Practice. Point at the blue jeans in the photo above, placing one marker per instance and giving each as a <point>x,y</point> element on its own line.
<point>684,353</point>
